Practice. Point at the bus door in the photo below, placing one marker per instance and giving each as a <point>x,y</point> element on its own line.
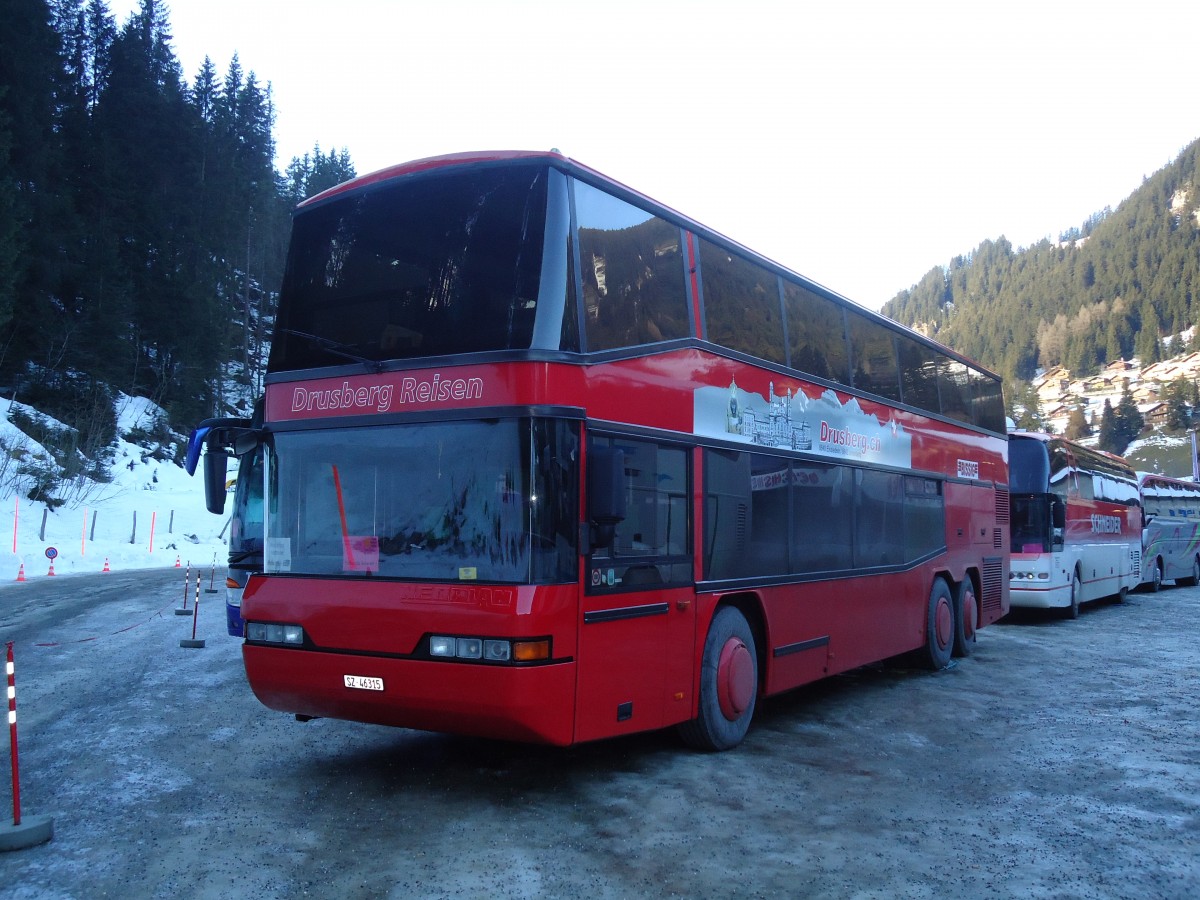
<point>637,623</point>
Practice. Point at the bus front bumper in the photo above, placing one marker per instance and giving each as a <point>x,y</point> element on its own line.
<point>533,704</point>
<point>1047,597</point>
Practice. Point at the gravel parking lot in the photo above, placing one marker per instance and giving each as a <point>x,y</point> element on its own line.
<point>1061,760</point>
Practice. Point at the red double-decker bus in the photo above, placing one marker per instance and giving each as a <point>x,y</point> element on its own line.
<point>548,461</point>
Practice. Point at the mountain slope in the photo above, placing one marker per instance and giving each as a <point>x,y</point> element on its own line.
<point>1108,290</point>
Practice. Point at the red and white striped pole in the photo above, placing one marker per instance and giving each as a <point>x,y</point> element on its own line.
<point>35,829</point>
<point>187,575</point>
<point>193,641</point>
<point>12,734</point>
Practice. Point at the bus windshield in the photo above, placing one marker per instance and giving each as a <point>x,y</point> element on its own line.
<point>449,501</point>
<point>246,522</point>
<point>1029,466</point>
<point>415,268</point>
<point>1031,523</point>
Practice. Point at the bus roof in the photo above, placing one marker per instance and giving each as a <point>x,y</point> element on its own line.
<point>1157,477</point>
<point>574,168</point>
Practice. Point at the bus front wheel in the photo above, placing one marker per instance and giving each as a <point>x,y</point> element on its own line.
<point>1194,578</point>
<point>1072,610</point>
<point>1156,577</point>
<point>728,684</point>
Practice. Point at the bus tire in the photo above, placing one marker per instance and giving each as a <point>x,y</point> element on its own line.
<point>939,627</point>
<point>1072,609</point>
<point>1193,579</point>
<point>728,684</point>
<point>1156,579</point>
<point>966,617</point>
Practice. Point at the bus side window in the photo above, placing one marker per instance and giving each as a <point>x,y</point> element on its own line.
<point>873,355</point>
<point>651,544</point>
<point>742,306</point>
<point>816,328</point>
<point>631,269</point>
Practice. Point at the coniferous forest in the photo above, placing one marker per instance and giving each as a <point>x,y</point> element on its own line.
<point>1111,289</point>
<point>143,223</point>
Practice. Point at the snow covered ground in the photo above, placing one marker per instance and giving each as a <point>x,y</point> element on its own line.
<point>151,515</point>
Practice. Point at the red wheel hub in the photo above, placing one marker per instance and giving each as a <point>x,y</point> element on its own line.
<point>735,679</point>
<point>944,623</point>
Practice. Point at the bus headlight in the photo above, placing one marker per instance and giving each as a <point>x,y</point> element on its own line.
<point>274,633</point>
<point>497,651</point>
<point>491,650</point>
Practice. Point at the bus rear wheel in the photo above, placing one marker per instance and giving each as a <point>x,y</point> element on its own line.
<point>728,684</point>
<point>939,627</point>
<point>966,615</point>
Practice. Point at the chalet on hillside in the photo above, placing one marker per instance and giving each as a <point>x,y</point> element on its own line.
<point>1154,413</point>
<point>1149,392</point>
<point>1052,385</point>
<point>1060,395</point>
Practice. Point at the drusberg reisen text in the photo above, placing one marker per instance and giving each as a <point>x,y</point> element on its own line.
<point>379,397</point>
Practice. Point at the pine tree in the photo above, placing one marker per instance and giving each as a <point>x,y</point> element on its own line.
<point>1176,399</point>
<point>1077,425</point>
<point>31,215</point>
<point>1128,422</point>
<point>1108,438</point>
<point>145,115</point>
<point>1025,407</point>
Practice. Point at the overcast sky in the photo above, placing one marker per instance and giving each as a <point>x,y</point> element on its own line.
<point>860,144</point>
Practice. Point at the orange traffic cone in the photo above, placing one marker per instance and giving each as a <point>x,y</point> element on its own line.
<point>51,572</point>
<point>177,563</point>
<point>21,573</point>
<point>106,568</point>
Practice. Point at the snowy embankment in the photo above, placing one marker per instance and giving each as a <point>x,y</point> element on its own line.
<point>151,515</point>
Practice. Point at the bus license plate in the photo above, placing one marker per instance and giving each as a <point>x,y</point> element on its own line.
<point>363,682</point>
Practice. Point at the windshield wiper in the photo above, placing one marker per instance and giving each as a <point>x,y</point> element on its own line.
<point>337,349</point>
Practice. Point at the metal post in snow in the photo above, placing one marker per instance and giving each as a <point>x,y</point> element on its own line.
<point>187,575</point>
<point>193,642</point>
<point>12,734</point>
<point>33,830</point>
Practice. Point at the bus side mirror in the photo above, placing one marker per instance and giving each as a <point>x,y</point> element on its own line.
<point>216,461</point>
<point>1058,513</point>
<point>606,493</point>
<point>246,442</point>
